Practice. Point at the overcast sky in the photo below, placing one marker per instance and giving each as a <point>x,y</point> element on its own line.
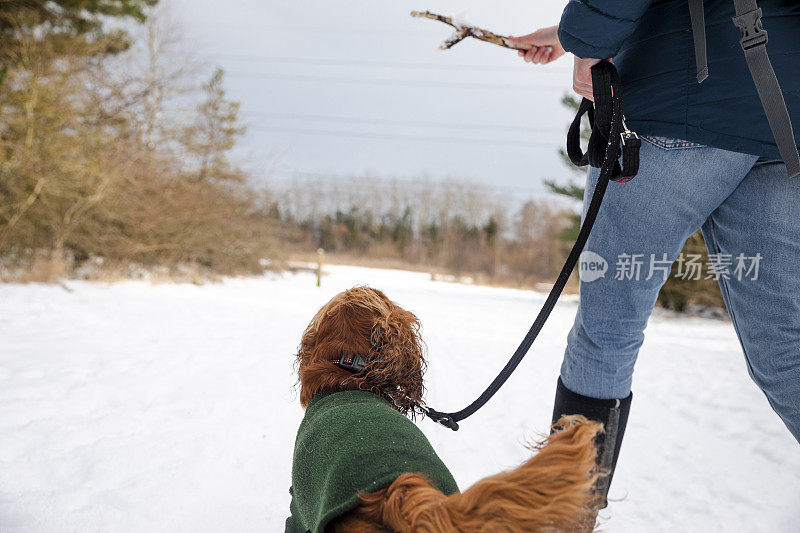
<point>352,87</point>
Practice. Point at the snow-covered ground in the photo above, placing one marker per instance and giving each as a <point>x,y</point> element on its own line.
<point>170,408</point>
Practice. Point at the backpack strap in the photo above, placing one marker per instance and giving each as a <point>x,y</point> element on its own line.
<point>754,44</point>
<point>697,14</point>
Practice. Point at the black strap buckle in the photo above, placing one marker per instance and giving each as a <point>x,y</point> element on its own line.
<point>351,362</point>
<point>753,33</point>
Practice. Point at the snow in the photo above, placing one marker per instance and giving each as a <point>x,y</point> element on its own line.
<point>133,407</point>
<point>459,20</point>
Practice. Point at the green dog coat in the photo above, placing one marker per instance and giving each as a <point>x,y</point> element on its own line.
<point>351,442</point>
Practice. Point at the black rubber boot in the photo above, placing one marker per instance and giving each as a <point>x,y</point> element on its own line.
<point>614,416</point>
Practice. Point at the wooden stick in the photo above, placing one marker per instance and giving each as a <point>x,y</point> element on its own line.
<point>463,31</point>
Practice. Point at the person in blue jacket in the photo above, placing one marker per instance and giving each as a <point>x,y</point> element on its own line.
<point>709,161</point>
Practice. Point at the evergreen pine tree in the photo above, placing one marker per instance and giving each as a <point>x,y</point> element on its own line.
<point>215,133</point>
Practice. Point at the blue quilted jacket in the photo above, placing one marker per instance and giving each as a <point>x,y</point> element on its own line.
<point>651,43</point>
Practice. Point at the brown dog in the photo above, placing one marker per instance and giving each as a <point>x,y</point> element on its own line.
<point>551,491</point>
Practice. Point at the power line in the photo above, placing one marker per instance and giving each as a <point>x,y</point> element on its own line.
<point>399,137</point>
<point>306,30</point>
<point>395,122</point>
<point>388,64</point>
<point>399,83</point>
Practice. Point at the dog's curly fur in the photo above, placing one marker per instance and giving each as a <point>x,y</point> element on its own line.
<point>363,321</point>
<point>551,491</point>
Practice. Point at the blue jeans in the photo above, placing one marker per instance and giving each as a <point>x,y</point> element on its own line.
<point>747,208</point>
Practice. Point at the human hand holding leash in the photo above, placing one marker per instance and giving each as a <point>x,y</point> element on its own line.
<point>582,76</point>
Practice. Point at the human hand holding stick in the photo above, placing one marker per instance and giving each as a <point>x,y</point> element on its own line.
<point>544,45</point>
<point>541,46</point>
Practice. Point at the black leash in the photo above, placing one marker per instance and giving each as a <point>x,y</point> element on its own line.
<point>608,131</point>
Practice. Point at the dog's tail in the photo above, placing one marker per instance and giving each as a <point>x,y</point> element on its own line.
<point>550,491</point>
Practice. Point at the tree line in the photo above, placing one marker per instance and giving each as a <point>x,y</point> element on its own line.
<point>453,227</point>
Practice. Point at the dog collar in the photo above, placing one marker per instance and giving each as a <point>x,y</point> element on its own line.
<point>351,362</point>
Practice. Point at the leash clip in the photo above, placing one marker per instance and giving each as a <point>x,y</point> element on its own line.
<point>440,418</point>
<point>626,134</point>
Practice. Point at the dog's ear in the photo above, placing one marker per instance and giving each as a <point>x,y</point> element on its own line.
<point>341,326</point>
<point>397,364</point>
<point>319,376</point>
